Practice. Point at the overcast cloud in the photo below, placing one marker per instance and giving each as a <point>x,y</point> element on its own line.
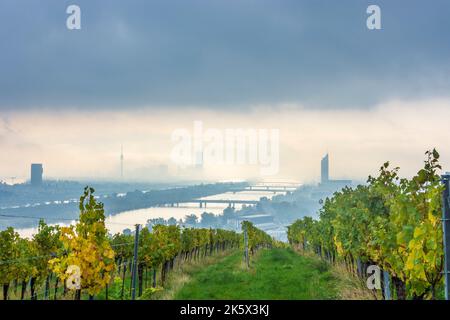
<point>221,53</point>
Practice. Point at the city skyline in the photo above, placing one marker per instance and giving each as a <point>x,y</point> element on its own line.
<point>361,140</point>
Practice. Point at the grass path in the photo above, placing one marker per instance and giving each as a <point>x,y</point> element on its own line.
<point>274,274</point>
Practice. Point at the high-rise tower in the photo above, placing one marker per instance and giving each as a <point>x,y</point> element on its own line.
<point>199,160</point>
<point>324,169</point>
<point>325,178</point>
<point>36,174</point>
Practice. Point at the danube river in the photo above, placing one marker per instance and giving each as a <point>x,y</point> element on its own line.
<point>128,219</point>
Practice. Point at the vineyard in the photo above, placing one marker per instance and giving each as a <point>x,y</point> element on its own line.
<point>391,222</point>
<point>84,262</point>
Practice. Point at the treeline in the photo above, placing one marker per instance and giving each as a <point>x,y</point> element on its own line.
<point>391,222</point>
<point>206,220</point>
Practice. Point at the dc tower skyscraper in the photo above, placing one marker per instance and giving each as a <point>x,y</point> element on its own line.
<point>325,175</point>
<point>324,169</point>
<point>36,174</point>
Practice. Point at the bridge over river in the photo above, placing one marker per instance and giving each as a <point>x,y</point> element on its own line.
<point>275,188</point>
<point>203,202</point>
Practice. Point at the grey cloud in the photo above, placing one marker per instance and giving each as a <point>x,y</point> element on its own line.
<point>224,53</point>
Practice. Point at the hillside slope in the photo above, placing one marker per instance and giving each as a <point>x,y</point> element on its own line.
<point>274,274</point>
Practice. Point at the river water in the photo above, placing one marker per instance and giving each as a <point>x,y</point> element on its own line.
<point>128,219</point>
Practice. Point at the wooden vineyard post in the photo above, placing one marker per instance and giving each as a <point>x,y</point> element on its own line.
<point>386,285</point>
<point>247,260</point>
<point>446,232</point>
<point>135,260</point>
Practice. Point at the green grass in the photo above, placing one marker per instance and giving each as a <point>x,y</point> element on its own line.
<point>274,274</point>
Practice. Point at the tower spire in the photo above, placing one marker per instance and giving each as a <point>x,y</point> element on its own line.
<point>121,162</point>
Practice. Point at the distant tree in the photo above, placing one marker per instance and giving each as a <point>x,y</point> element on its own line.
<point>172,221</point>
<point>228,213</point>
<point>248,209</point>
<point>155,222</point>
<point>191,219</point>
<point>263,203</point>
<point>208,220</point>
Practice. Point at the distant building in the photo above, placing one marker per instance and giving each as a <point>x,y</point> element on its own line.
<point>325,180</point>
<point>324,169</point>
<point>36,174</point>
<point>199,160</point>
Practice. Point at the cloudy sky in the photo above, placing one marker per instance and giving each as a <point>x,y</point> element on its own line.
<point>138,70</point>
